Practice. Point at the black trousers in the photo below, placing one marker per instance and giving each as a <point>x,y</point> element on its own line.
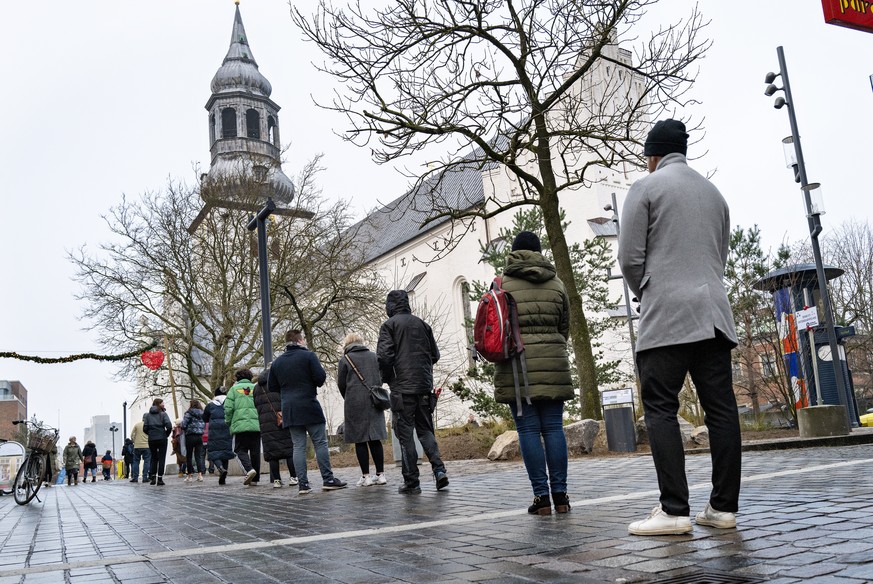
<point>158,450</point>
<point>247,446</point>
<point>662,374</point>
<point>412,413</point>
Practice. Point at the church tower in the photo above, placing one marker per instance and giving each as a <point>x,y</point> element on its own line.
<point>243,132</point>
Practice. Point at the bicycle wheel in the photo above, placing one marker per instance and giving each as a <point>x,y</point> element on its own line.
<point>29,479</point>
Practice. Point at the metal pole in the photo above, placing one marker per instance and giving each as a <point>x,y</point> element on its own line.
<point>124,414</point>
<point>260,222</point>
<point>814,222</point>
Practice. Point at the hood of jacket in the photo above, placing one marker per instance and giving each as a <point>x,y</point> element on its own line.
<point>154,410</point>
<point>218,400</point>
<point>397,303</point>
<point>355,348</point>
<point>529,265</point>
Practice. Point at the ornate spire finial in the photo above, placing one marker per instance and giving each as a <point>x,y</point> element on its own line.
<point>236,2</point>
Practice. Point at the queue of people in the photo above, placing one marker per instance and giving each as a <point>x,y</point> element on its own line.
<point>672,252</point>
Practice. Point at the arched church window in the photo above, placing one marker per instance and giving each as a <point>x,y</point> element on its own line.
<point>253,124</point>
<point>228,123</point>
<point>272,131</point>
<point>211,128</point>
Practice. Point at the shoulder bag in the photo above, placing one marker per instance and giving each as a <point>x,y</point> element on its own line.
<point>378,395</point>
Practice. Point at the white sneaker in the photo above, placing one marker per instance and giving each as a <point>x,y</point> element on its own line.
<point>660,523</point>
<point>277,484</point>
<point>380,480</point>
<point>292,482</point>
<point>249,477</point>
<point>713,518</point>
<point>187,478</point>
<point>365,481</point>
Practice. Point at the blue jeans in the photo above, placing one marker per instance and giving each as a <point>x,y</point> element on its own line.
<point>543,444</point>
<point>146,455</point>
<point>319,443</point>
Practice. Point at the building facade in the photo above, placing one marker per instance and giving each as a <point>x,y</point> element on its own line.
<point>13,406</point>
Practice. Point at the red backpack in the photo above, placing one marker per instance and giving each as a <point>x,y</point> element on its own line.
<point>496,334</point>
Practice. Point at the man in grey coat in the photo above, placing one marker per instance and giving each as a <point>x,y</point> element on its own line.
<point>672,252</point>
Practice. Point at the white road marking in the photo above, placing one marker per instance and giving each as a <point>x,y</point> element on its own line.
<point>219,549</point>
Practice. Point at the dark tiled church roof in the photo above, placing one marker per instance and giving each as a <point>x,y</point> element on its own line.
<point>403,219</point>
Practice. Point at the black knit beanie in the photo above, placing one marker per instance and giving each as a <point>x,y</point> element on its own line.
<point>526,240</point>
<point>666,137</point>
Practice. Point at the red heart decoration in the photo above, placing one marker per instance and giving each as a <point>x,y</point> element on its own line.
<point>152,359</point>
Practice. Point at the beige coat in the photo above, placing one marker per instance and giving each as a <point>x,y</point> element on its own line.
<point>138,435</point>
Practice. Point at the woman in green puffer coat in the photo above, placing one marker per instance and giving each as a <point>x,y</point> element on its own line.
<point>544,321</point>
<point>241,416</point>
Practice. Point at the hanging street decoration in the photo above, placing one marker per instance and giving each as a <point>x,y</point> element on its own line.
<point>79,357</point>
<point>152,359</point>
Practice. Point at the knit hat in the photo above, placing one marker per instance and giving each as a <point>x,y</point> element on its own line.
<point>526,240</point>
<point>666,137</point>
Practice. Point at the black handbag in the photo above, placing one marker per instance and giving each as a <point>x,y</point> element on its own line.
<point>378,395</point>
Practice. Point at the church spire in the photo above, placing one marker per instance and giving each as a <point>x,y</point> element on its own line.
<point>244,123</point>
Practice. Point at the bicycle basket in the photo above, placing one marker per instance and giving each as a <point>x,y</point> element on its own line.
<point>41,439</point>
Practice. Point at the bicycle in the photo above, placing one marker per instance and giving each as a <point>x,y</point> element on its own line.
<point>40,441</point>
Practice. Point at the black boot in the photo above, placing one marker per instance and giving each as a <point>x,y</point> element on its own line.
<point>562,502</point>
<point>541,506</point>
<point>153,480</point>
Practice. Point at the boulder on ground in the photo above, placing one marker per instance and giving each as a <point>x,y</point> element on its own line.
<point>505,447</point>
<point>581,436</point>
<point>700,436</point>
<point>685,428</point>
<point>642,430</point>
<point>600,443</point>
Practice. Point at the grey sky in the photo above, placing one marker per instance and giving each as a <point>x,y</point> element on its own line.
<point>106,98</point>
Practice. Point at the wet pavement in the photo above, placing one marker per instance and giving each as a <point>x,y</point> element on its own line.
<point>806,515</point>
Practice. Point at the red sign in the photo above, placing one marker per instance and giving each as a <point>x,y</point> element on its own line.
<point>857,14</point>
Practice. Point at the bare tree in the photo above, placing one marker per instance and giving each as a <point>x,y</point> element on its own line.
<point>199,294</point>
<point>538,89</point>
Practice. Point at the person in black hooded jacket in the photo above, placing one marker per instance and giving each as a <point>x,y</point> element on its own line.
<point>407,352</point>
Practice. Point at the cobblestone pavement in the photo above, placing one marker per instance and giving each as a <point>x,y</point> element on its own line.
<point>805,516</point>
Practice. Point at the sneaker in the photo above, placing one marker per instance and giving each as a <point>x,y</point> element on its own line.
<point>380,480</point>
<point>134,480</point>
<point>405,489</point>
<point>151,480</point>
<point>660,523</point>
<point>542,505</point>
<point>222,476</point>
<point>292,481</point>
<point>277,484</point>
<point>442,481</point>
<point>365,481</point>
<point>334,484</point>
<point>250,476</point>
<point>713,518</point>
<point>187,478</point>
<point>161,482</point>
<point>562,502</point>
<point>304,489</point>
<point>200,477</point>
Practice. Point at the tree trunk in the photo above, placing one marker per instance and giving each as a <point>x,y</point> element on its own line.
<point>579,335</point>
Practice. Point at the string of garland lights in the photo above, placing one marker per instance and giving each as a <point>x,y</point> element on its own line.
<point>78,357</point>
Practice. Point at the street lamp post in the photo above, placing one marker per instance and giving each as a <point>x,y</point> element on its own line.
<point>259,222</point>
<point>113,428</point>
<point>813,212</point>
<point>124,417</point>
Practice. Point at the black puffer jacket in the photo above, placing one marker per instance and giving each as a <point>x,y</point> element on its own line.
<point>220,445</point>
<point>407,350</point>
<point>157,423</point>
<point>276,441</point>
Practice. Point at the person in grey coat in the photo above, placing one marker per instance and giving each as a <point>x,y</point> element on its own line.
<point>672,251</point>
<point>157,426</point>
<point>364,425</point>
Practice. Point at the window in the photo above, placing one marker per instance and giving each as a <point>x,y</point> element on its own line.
<point>211,128</point>
<point>253,124</point>
<point>768,366</point>
<point>228,123</point>
<point>272,131</point>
